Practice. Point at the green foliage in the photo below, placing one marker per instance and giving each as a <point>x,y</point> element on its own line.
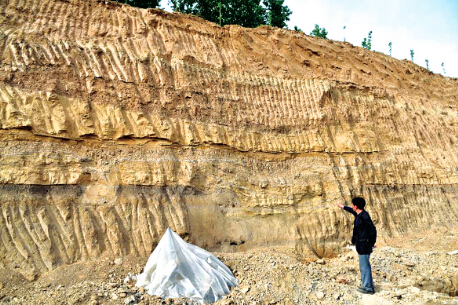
<point>297,29</point>
<point>143,3</point>
<point>427,64</point>
<point>367,43</point>
<point>390,44</point>
<point>220,7</point>
<point>277,13</point>
<point>319,32</point>
<point>411,54</point>
<point>184,6</point>
<point>247,13</point>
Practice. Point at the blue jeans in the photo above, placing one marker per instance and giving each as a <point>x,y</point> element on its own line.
<point>366,273</point>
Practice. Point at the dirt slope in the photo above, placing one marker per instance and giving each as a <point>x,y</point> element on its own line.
<point>117,122</point>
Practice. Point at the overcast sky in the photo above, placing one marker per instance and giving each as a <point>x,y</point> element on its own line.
<point>429,27</point>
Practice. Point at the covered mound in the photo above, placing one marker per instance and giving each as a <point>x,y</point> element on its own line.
<point>177,269</point>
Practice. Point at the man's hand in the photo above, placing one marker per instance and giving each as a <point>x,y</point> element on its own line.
<point>340,205</point>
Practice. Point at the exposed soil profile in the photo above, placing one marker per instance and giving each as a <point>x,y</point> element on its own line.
<point>117,123</point>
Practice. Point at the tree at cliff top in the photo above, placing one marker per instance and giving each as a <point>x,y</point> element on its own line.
<point>247,13</point>
<point>277,13</point>
<point>319,32</point>
<point>367,43</point>
<point>143,3</point>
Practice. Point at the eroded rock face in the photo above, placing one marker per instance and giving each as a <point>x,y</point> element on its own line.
<point>117,123</point>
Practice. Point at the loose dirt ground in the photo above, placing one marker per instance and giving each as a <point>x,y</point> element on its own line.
<point>412,269</point>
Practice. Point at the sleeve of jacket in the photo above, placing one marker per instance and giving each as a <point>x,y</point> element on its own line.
<point>349,210</point>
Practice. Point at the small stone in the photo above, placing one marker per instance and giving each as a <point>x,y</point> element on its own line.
<point>245,290</point>
<point>118,261</point>
<point>341,280</point>
<point>321,261</point>
<point>122,295</point>
<point>112,285</point>
<point>320,295</point>
<point>114,296</point>
<point>1,285</point>
<point>93,297</point>
<point>130,300</point>
<point>141,290</point>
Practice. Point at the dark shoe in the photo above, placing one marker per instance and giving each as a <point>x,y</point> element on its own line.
<point>365,291</point>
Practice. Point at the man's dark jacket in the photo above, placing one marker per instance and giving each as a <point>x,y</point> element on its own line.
<point>364,232</point>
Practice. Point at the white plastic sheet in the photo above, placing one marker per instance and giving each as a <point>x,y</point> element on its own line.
<point>177,269</point>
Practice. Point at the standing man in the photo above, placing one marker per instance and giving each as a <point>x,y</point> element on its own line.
<point>364,237</point>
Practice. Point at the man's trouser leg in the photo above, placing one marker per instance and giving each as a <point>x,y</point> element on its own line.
<point>366,272</point>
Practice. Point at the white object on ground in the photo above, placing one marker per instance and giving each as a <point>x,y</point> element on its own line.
<point>453,252</point>
<point>129,278</point>
<point>177,269</point>
<point>353,248</point>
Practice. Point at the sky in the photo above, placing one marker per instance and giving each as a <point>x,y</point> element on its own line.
<point>429,27</point>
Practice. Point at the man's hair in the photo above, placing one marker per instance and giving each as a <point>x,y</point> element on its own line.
<point>359,202</point>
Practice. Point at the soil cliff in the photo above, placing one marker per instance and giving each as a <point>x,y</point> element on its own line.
<point>118,122</point>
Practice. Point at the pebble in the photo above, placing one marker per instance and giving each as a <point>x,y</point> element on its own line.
<point>130,300</point>
<point>320,295</point>
<point>321,261</point>
<point>112,285</point>
<point>245,290</point>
